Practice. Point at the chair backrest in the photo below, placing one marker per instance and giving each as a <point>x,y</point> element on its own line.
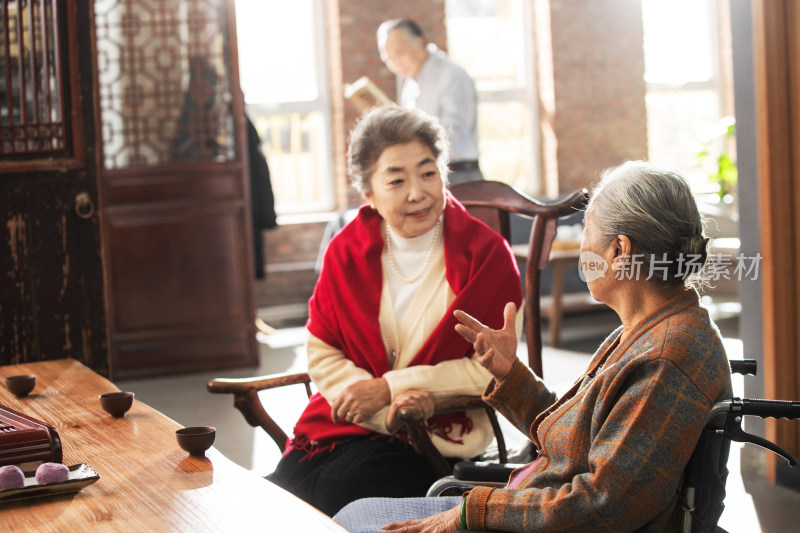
<point>493,202</point>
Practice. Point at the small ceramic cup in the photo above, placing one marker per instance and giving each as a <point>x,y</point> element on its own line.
<point>196,440</point>
<point>21,386</point>
<point>116,403</point>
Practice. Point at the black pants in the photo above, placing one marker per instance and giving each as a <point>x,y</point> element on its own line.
<point>356,468</point>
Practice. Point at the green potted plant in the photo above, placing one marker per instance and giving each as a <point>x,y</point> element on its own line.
<point>725,173</point>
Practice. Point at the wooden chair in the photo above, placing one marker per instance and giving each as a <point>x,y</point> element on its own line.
<point>492,202</point>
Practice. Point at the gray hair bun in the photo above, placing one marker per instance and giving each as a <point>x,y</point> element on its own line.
<point>691,252</point>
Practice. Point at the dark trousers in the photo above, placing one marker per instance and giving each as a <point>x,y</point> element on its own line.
<point>356,468</point>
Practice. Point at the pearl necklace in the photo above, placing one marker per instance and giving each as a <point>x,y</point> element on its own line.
<point>425,266</point>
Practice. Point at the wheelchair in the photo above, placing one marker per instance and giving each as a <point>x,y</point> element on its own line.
<point>701,491</point>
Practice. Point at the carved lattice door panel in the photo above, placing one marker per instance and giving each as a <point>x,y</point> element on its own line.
<point>51,274</point>
<point>176,215</point>
<point>32,90</point>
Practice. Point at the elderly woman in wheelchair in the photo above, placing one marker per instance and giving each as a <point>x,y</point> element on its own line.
<point>611,450</point>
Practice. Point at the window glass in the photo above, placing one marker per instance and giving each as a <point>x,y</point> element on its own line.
<point>490,40</point>
<point>268,26</point>
<point>486,39</point>
<point>506,129</point>
<point>677,124</point>
<point>31,94</point>
<point>293,144</point>
<point>678,44</point>
<point>164,83</point>
<point>687,123</point>
<point>281,65</point>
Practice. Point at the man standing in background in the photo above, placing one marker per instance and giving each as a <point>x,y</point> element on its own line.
<point>436,85</point>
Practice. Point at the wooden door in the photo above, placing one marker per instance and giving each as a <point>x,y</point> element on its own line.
<point>51,273</point>
<point>174,187</point>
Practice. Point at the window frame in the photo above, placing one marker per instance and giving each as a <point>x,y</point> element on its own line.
<point>525,95</point>
<point>714,85</point>
<point>321,104</point>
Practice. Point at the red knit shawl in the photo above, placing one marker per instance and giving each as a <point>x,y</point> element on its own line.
<point>344,308</point>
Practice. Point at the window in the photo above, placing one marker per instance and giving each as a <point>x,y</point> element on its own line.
<point>687,107</point>
<point>32,98</point>
<point>287,99</point>
<point>491,40</point>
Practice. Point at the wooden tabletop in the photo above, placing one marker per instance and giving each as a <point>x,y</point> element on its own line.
<point>147,483</point>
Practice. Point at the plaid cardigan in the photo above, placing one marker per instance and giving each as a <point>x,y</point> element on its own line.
<point>614,446</point>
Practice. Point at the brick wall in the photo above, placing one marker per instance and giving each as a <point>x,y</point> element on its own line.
<point>598,87</point>
<point>291,251</point>
<point>295,244</point>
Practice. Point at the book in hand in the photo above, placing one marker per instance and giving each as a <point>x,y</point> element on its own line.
<point>365,94</point>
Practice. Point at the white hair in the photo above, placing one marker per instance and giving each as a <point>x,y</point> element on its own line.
<point>654,207</point>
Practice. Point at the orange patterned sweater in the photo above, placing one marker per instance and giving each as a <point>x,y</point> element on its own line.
<point>614,446</point>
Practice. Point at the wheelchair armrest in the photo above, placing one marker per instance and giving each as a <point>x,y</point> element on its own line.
<point>450,486</point>
<point>479,471</point>
<point>470,474</point>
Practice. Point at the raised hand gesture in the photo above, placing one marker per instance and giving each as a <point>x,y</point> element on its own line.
<point>495,349</point>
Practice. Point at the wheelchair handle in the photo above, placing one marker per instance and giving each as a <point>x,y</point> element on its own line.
<point>744,366</point>
<point>768,408</point>
<point>737,408</point>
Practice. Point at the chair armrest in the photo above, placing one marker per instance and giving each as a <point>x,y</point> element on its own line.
<point>239,385</point>
<point>414,421</point>
<point>246,400</point>
<point>450,404</point>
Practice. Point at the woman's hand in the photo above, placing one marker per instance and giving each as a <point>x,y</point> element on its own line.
<point>495,349</point>
<point>361,400</point>
<point>446,522</point>
<point>422,399</point>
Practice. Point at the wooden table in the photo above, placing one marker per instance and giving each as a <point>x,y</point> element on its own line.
<point>147,483</point>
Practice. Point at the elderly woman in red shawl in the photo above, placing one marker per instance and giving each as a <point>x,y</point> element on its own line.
<point>381,324</point>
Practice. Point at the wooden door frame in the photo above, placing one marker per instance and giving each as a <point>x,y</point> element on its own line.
<point>777,82</point>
